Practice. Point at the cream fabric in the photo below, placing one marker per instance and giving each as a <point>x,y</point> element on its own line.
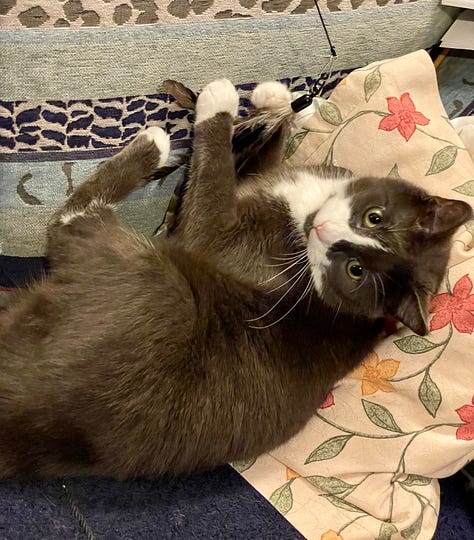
<point>366,465</point>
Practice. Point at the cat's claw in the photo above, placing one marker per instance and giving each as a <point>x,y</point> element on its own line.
<point>218,96</point>
<point>161,140</point>
<point>271,95</point>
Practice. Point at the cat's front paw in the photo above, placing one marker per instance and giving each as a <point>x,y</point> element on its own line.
<point>271,95</point>
<point>218,96</point>
<point>160,139</point>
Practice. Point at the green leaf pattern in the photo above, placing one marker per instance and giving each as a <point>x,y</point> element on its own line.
<point>294,143</point>
<point>242,466</point>
<point>386,531</point>
<point>429,394</point>
<point>372,83</point>
<point>414,344</point>
<point>416,480</point>
<point>282,498</point>
<point>394,172</point>
<point>330,113</point>
<point>443,159</point>
<point>331,485</point>
<point>329,449</point>
<point>412,532</point>
<point>380,416</point>
<point>466,189</point>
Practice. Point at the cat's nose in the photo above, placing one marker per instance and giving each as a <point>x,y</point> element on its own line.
<point>320,229</point>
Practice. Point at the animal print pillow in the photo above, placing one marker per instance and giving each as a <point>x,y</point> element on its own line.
<point>366,465</point>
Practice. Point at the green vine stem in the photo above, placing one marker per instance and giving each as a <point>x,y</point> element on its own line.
<point>359,433</point>
<point>439,139</point>
<point>391,436</point>
<point>426,368</point>
<point>311,130</point>
<point>344,124</point>
<point>351,522</point>
<point>420,497</point>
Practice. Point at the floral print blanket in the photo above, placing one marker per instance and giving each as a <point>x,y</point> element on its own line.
<point>365,467</point>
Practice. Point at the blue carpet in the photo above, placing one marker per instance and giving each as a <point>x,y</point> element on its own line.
<point>456,515</point>
<point>210,506</point>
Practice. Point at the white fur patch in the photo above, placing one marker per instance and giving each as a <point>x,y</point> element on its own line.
<point>217,96</point>
<point>161,140</point>
<point>271,95</point>
<point>95,204</point>
<point>326,198</point>
<point>307,193</point>
<point>70,216</point>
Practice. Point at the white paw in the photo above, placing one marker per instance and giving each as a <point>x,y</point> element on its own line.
<point>161,140</point>
<point>271,95</point>
<point>217,96</point>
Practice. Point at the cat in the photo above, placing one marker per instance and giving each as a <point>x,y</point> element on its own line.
<point>217,343</point>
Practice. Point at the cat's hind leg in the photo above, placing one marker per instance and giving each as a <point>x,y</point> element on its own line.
<point>93,201</point>
<point>115,178</point>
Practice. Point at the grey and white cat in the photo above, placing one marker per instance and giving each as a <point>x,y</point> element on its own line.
<point>219,342</point>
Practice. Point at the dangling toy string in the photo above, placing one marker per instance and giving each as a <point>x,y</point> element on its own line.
<point>305,101</point>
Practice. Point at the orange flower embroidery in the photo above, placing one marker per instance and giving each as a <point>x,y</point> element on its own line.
<point>374,374</point>
<point>290,473</point>
<point>403,116</point>
<point>331,535</point>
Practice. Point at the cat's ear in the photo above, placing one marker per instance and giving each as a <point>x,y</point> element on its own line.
<point>413,311</point>
<point>444,215</point>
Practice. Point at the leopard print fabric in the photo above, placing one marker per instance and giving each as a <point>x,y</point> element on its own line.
<point>87,124</point>
<point>92,124</point>
<point>79,13</point>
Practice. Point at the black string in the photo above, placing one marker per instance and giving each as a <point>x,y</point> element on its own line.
<point>331,46</point>
<point>305,101</point>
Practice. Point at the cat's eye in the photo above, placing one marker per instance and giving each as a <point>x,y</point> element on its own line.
<point>354,269</point>
<point>373,217</point>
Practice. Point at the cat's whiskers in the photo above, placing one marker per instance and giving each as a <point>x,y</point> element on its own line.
<point>288,281</point>
<point>337,311</point>
<point>307,289</point>
<point>281,299</point>
<point>291,256</point>
<point>298,261</point>
<point>361,284</point>
<point>382,286</point>
<point>310,298</point>
<point>376,290</point>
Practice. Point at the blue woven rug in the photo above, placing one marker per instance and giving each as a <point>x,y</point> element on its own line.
<point>216,505</point>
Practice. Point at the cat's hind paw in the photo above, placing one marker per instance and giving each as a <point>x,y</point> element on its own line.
<point>271,95</point>
<point>161,140</point>
<point>218,96</point>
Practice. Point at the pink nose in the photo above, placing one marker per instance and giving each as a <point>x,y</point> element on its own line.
<point>320,229</point>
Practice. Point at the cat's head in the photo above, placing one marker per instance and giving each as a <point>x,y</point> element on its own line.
<point>377,246</point>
